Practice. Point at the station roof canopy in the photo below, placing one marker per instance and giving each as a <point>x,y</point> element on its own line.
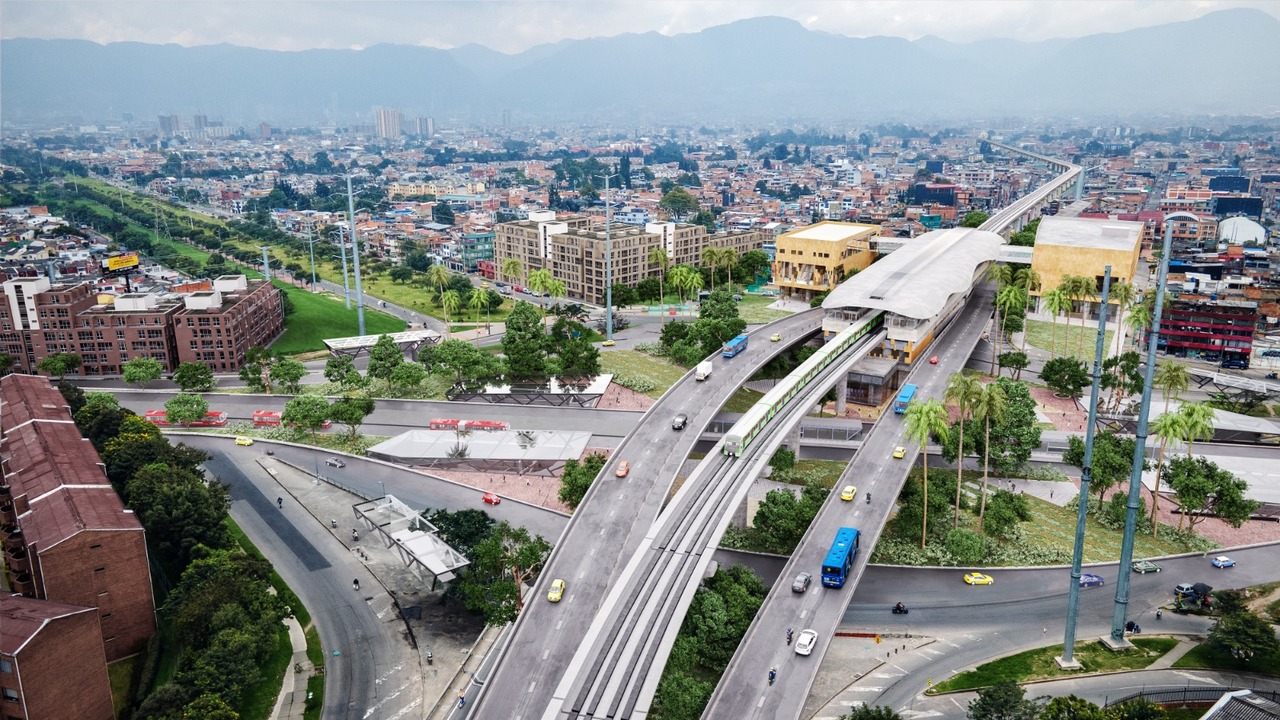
<point>368,341</point>
<point>916,280</point>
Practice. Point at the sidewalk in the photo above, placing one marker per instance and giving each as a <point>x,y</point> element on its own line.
<point>1167,660</point>
<point>292,702</point>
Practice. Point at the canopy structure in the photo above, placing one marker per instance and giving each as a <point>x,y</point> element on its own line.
<point>523,452</point>
<point>413,539</point>
<point>409,340</point>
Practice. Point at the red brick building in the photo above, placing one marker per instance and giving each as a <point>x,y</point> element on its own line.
<point>222,321</point>
<point>51,662</point>
<point>67,537</point>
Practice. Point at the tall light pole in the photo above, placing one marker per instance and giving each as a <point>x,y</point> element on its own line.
<point>1068,661</point>
<point>355,254</point>
<point>608,261</point>
<point>342,254</point>
<point>311,243</point>
<point>1140,449</point>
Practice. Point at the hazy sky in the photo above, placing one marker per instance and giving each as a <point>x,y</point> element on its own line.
<point>515,25</point>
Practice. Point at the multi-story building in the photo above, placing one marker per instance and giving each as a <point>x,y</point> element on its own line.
<point>217,327</point>
<point>574,250</point>
<point>39,318</point>
<point>387,122</point>
<point>474,248</point>
<point>67,537</point>
<point>812,260</point>
<point>1202,327</point>
<point>1085,247</point>
<point>52,664</point>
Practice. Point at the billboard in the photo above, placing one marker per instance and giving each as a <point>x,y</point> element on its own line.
<point>122,262</point>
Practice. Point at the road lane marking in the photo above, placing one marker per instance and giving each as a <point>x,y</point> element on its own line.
<point>1197,678</point>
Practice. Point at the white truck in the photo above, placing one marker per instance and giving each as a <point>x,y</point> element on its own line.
<point>703,371</point>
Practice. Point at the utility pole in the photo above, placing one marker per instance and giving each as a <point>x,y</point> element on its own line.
<point>355,254</point>
<point>312,244</point>
<point>1068,661</point>
<point>1117,639</point>
<point>342,253</point>
<point>608,261</point>
<point>266,262</point>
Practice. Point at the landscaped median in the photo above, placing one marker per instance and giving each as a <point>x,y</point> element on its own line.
<point>1039,664</point>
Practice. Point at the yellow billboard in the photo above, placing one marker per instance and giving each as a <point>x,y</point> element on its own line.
<point>120,262</point>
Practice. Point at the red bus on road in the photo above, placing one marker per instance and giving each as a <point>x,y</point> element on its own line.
<point>213,418</point>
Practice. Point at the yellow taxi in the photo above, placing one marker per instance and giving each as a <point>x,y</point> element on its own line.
<point>557,590</point>
<point>899,453</point>
<point>242,440</point>
<point>848,493</point>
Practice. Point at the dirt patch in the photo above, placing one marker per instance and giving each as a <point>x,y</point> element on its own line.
<point>616,397</point>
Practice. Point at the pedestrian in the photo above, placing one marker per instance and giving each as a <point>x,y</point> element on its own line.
<point>1050,494</point>
<point>1159,613</point>
<point>355,536</point>
<point>355,584</point>
<point>280,503</point>
<point>1044,631</point>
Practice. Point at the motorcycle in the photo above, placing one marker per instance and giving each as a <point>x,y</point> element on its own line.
<point>900,609</point>
<point>1272,376</point>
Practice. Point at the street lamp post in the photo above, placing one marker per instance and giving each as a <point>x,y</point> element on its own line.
<point>608,261</point>
<point>355,254</point>
<point>311,243</point>
<point>342,254</point>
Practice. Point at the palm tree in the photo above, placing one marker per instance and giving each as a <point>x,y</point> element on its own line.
<point>1122,294</point>
<point>450,301</point>
<point>1085,289</point>
<point>924,420</point>
<point>1009,299</point>
<point>438,275</point>
<point>678,277</point>
<point>988,406</point>
<point>1139,320</point>
<point>512,269</point>
<point>962,390</point>
<point>1169,427</point>
<point>729,257</point>
<point>1057,303</point>
<point>658,256</point>
<point>539,281</point>
<point>556,289</point>
<point>1002,275</point>
<point>687,280</point>
<point>1028,280</point>
<point>1197,421</point>
<point>711,258</point>
<point>477,300</point>
<point>1172,378</point>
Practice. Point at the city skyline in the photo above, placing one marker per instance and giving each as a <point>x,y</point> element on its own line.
<point>313,24</point>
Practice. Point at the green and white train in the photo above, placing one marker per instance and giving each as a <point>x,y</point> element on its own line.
<point>745,430</point>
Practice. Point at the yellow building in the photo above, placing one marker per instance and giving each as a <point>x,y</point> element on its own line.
<point>815,259</point>
<point>1085,247</point>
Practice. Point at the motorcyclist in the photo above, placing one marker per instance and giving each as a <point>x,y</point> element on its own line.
<point>773,674</point>
<point>868,498</point>
<point>899,607</point>
<point>788,636</point>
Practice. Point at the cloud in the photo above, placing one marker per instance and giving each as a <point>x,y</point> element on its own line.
<point>513,26</point>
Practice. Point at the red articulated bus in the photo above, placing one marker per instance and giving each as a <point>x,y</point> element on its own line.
<point>213,418</point>
<point>271,418</point>
<point>469,425</point>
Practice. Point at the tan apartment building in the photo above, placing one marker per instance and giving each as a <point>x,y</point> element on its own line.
<point>217,327</point>
<point>1085,246</point>
<point>574,250</point>
<point>816,258</point>
<point>67,537</point>
<point>52,664</point>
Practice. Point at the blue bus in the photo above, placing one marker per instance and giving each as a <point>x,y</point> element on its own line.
<point>734,346</point>
<point>835,569</point>
<point>904,399</point>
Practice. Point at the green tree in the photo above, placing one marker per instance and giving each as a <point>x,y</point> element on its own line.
<point>342,370</point>
<point>438,277</point>
<point>407,376</point>
<point>59,364</point>
<point>351,411</point>
<point>384,357</point>
<point>288,373</point>
<point>871,712</point>
<point>678,203</point>
<point>460,360</point>
<point>451,302</point>
<point>1169,427</point>
<point>6,363</point>
<point>1122,376</point>
<point>540,282</point>
<point>309,412</point>
<point>401,274</point>
<point>73,395</point>
<point>1172,378</point>
<point>1122,294</point>
<point>209,707</point>
<point>525,343</point>
<point>194,377</point>
<point>658,257</point>
<point>1056,302</point>
<point>500,565</point>
<point>974,219</point>
<point>511,269</point>
<point>442,213</point>
<point>706,219</point>
<point>142,370</point>
<point>1140,709</point>
<point>963,391</point>
<point>477,300</point>
<point>185,409</point>
<point>1071,708</point>
<point>1065,375</point>
<point>753,264</point>
<point>1016,361</point>
<point>462,530</point>
<point>988,406</point>
<point>1204,489</point>
<point>1244,636</point>
<point>1198,418</point>
<point>782,518</point>
<point>1017,434</point>
<point>577,478</point>
<point>925,420</point>
<point>180,511</point>
<point>1006,700</point>
<point>256,371</point>
<point>1112,459</point>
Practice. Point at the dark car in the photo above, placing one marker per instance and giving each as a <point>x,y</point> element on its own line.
<point>1090,580</point>
<point>334,462</point>
<point>1235,364</point>
<point>801,583</point>
<point>679,421</point>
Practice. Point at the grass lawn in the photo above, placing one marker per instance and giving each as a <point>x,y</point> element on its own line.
<point>123,674</point>
<point>742,400</point>
<point>631,364</point>
<point>1205,655</point>
<point>1055,526</point>
<point>315,698</point>
<point>755,310</point>
<point>1040,334</point>
<point>259,697</point>
<point>1038,664</point>
<point>827,471</point>
<point>319,317</point>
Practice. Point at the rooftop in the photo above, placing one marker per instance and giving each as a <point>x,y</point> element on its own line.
<point>1120,235</point>
<point>22,617</point>
<point>832,231</point>
<point>916,280</point>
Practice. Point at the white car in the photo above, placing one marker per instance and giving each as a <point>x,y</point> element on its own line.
<point>806,641</point>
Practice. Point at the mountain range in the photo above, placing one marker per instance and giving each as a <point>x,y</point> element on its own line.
<point>762,69</point>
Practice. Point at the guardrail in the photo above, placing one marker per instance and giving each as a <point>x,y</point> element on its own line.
<point>1189,695</point>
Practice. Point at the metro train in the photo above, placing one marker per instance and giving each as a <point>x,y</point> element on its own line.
<point>746,429</point>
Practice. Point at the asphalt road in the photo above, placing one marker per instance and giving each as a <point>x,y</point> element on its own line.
<point>608,528</point>
<point>365,656</point>
<point>873,471</point>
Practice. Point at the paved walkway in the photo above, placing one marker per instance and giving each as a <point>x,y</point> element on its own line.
<point>1167,660</point>
<point>292,703</point>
